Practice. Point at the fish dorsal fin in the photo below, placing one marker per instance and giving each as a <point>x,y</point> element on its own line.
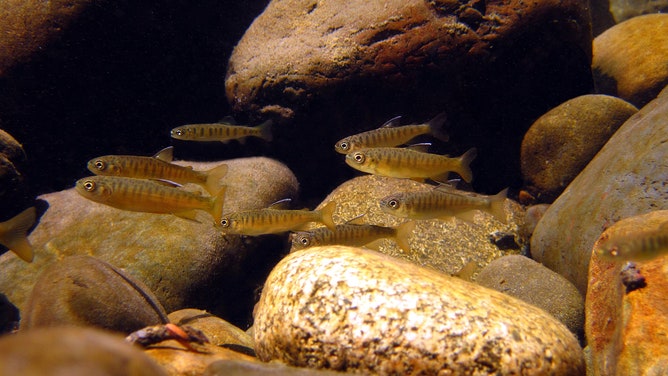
<point>168,183</point>
<point>422,147</point>
<point>359,220</point>
<point>449,186</point>
<point>394,122</point>
<point>280,204</point>
<point>166,154</point>
<point>227,120</point>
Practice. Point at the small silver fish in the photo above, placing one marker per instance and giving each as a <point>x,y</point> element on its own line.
<point>392,134</point>
<point>441,203</point>
<point>157,167</point>
<point>273,221</point>
<point>407,163</point>
<point>635,246</point>
<point>355,235</point>
<point>149,196</point>
<point>221,132</point>
<point>14,234</point>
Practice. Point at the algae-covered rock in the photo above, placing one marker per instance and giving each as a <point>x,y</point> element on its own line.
<point>535,284</point>
<point>626,308</point>
<point>185,263</point>
<point>351,309</point>
<point>630,60</point>
<point>561,143</point>
<point>446,244</point>
<point>627,177</point>
<point>73,351</point>
<point>85,291</point>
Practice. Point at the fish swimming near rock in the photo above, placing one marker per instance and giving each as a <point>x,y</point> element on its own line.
<point>222,132</point>
<point>274,221</point>
<point>441,203</point>
<point>635,246</point>
<point>354,235</point>
<point>157,167</point>
<point>149,196</point>
<point>408,163</point>
<point>392,134</point>
<point>14,234</point>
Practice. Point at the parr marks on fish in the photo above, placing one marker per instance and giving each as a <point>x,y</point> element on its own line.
<point>148,196</point>
<point>273,221</point>
<point>392,134</point>
<point>634,246</point>
<point>14,234</point>
<point>353,235</point>
<point>441,203</point>
<point>407,163</point>
<point>157,167</point>
<point>221,132</point>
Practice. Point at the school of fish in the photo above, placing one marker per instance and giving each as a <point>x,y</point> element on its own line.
<point>153,184</point>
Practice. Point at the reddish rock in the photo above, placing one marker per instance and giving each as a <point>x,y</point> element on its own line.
<point>625,322</point>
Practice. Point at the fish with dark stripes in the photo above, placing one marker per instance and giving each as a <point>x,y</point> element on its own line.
<point>274,221</point>
<point>158,167</point>
<point>408,163</point>
<point>392,134</point>
<point>149,196</point>
<point>222,132</point>
<point>635,246</point>
<point>354,235</point>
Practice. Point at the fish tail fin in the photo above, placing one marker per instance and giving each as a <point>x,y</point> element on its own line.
<point>404,231</point>
<point>14,234</point>
<point>217,207</point>
<point>465,160</point>
<point>213,177</point>
<point>498,206</point>
<point>437,127</point>
<point>326,213</point>
<point>266,129</point>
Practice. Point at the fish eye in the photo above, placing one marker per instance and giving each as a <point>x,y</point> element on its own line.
<point>100,165</point>
<point>393,203</point>
<point>305,240</point>
<point>358,157</point>
<point>89,185</point>
<point>225,222</point>
<point>178,132</point>
<point>344,145</point>
<point>614,251</point>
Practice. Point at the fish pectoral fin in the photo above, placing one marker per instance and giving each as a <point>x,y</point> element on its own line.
<point>166,154</point>
<point>190,215</point>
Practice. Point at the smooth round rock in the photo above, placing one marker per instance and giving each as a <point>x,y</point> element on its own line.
<point>350,309</point>
<point>85,291</point>
<point>563,141</point>
<point>627,308</point>
<point>535,284</point>
<point>218,331</point>
<point>627,177</point>
<point>630,60</point>
<point>74,352</point>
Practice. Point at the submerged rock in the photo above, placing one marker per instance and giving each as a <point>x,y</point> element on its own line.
<point>73,351</point>
<point>246,368</point>
<point>85,291</point>
<point>627,309</point>
<point>535,284</point>
<point>218,331</point>
<point>351,309</point>
<point>627,177</point>
<point>561,143</point>
<point>179,260</point>
<point>446,244</point>
<point>631,59</point>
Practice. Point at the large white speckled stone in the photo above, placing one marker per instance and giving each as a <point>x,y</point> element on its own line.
<point>351,309</point>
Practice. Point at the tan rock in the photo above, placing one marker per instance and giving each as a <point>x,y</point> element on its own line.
<point>630,60</point>
<point>351,309</point>
<point>627,177</point>
<point>446,245</point>
<point>218,331</point>
<point>178,360</point>
<point>178,259</point>
<point>85,291</point>
<point>246,368</point>
<point>561,143</point>
<point>627,319</point>
<point>73,351</point>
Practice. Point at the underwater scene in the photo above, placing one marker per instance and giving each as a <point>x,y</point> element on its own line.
<point>306,187</point>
